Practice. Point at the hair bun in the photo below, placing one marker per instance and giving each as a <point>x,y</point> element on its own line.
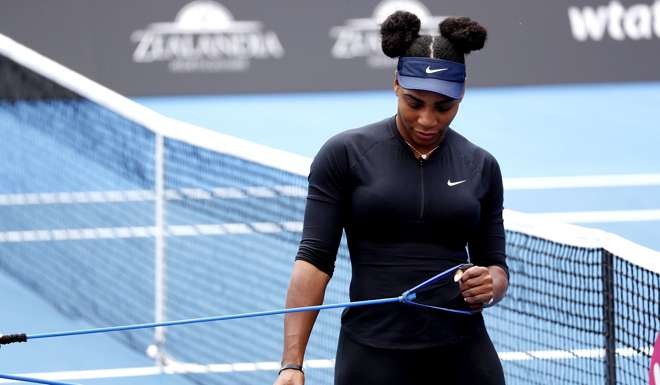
<point>398,32</point>
<point>465,34</point>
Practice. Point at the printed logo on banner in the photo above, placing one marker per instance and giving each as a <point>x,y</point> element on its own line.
<point>614,20</point>
<point>204,37</point>
<point>360,38</point>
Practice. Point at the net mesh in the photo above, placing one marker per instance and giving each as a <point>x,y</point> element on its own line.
<point>553,306</point>
<point>78,225</point>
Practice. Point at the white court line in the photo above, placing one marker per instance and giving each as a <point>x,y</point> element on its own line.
<point>184,368</point>
<point>582,181</point>
<point>604,216</point>
<point>148,231</point>
<point>148,195</point>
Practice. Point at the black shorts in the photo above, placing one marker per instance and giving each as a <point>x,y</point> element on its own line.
<point>473,362</point>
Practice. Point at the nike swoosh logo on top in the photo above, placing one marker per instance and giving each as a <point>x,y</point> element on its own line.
<point>452,184</point>
<point>430,71</point>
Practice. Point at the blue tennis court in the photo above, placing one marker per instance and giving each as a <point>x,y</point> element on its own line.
<point>78,228</point>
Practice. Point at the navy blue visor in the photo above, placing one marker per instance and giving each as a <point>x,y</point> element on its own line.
<point>437,75</point>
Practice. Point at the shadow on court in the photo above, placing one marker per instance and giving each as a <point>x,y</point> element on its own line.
<point>28,313</point>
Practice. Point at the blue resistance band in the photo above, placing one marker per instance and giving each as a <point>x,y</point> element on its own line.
<point>34,380</point>
<point>407,297</point>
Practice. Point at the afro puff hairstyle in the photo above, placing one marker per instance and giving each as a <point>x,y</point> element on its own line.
<point>458,37</point>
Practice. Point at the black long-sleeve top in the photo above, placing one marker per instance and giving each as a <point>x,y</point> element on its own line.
<point>405,220</point>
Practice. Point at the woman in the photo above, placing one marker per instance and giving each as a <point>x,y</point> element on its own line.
<point>411,194</point>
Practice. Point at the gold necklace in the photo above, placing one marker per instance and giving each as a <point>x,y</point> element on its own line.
<point>419,154</point>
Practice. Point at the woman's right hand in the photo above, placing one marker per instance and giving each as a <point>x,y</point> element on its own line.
<point>290,377</point>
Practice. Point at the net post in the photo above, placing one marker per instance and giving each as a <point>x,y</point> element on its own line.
<point>159,249</point>
<point>609,317</point>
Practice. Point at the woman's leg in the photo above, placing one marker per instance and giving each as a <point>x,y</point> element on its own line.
<point>473,361</point>
<point>357,364</point>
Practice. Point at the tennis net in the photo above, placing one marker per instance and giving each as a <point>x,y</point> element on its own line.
<point>119,215</point>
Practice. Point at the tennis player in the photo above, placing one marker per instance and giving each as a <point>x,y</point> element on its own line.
<point>414,198</point>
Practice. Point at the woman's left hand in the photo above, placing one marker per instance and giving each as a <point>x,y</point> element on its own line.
<point>483,286</point>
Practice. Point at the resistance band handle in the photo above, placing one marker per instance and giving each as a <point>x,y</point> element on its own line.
<point>11,338</point>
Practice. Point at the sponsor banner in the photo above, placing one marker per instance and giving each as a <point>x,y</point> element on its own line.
<point>166,47</point>
<point>615,21</point>
<point>205,37</point>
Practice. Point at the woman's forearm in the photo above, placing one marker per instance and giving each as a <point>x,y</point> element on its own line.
<point>306,288</point>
